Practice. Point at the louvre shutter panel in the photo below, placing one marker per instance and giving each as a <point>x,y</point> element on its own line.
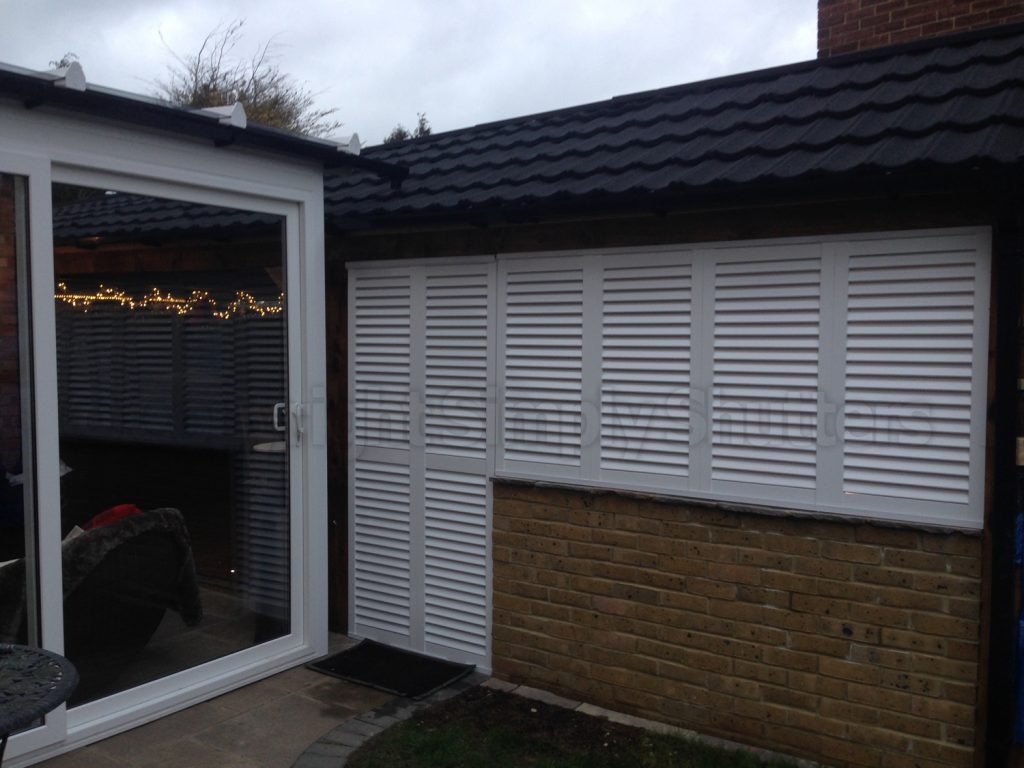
<point>209,384</point>
<point>261,478</point>
<point>381,552</point>
<point>382,482</point>
<point>543,365</point>
<point>90,369</point>
<point>645,369</point>
<point>456,355</point>
<point>766,350</point>
<point>909,376</point>
<point>455,561</point>
<point>381,371</point>
<point>458,316</point>
<point>148,347</point>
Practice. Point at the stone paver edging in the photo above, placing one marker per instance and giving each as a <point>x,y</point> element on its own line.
<point>332,749</point>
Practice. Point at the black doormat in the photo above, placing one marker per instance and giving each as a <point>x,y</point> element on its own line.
<point>402,673</point>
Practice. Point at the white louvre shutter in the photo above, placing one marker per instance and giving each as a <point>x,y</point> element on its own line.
<point>381,480</point>
<point>457,375</point>
<point>420,495</point>
<point>381,552</point>
<point>381,370</point>
<point>766,350</point>
<point>456,361</point>
<point>455,561</point>
<point>645,368</point>
<point>910,376</point>
<point>543,364</point>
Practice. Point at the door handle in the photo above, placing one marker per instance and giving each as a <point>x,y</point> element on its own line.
<point>279,410</point>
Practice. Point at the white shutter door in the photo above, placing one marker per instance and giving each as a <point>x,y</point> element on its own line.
<point>381,483</point>
<point>457,375</point>
<point>766,351</point>
<point>420,495</point>
<point>910,374</point>
<point>645,369</point>
<point>543,363</point>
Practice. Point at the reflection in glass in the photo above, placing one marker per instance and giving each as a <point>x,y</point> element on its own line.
<point>171,360</point>
<point>19,616</point>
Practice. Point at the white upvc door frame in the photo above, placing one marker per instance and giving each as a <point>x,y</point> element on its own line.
<point>45,470</point>
<point>49,148</point>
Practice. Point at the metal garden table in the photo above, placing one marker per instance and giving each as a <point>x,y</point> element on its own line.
<point>32,683</point>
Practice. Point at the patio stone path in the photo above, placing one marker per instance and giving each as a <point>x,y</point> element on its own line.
<point>264,725</point>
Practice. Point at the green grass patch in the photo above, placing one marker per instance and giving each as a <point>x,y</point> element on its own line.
<point>483,728</point>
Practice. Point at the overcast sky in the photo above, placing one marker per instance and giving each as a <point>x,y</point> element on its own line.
<point>459,61</point>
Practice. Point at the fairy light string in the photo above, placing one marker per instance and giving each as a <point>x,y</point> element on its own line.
<point>243,303</point>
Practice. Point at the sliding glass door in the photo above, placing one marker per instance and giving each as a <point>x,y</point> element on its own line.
<point>172,373</point>
<point>155,482</point>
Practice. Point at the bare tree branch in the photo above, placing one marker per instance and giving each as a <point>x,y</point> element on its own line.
<point>214,77</point>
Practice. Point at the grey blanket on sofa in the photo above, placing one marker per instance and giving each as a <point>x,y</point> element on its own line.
<point>82,554</point>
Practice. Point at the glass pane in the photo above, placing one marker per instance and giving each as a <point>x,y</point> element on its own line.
<point>19,615</point>
<point>172,380</point>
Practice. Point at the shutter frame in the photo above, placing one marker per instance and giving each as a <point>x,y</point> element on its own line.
<point>825,464</point>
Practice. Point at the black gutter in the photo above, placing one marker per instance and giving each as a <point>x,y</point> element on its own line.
<point>36,91</point>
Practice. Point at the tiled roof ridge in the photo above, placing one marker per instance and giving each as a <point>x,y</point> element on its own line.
<point>963,42</point>
<point>856,111</point>
<point>643,167</point>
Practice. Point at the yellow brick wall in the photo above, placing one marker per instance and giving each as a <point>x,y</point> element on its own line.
<point>842,642</point>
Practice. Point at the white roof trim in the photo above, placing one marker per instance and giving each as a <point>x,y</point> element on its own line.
<point>233,114</point>
<point>349,144</point>
<point>71,77</point>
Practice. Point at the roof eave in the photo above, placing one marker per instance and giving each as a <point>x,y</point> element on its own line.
<point>1006,180</point>
<point>34,92</point>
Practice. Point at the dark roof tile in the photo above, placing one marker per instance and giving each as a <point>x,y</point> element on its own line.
<point>943,103</point>
<point>125,214</point>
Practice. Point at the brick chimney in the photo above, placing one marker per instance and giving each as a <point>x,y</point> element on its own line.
<point>853,25</point>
